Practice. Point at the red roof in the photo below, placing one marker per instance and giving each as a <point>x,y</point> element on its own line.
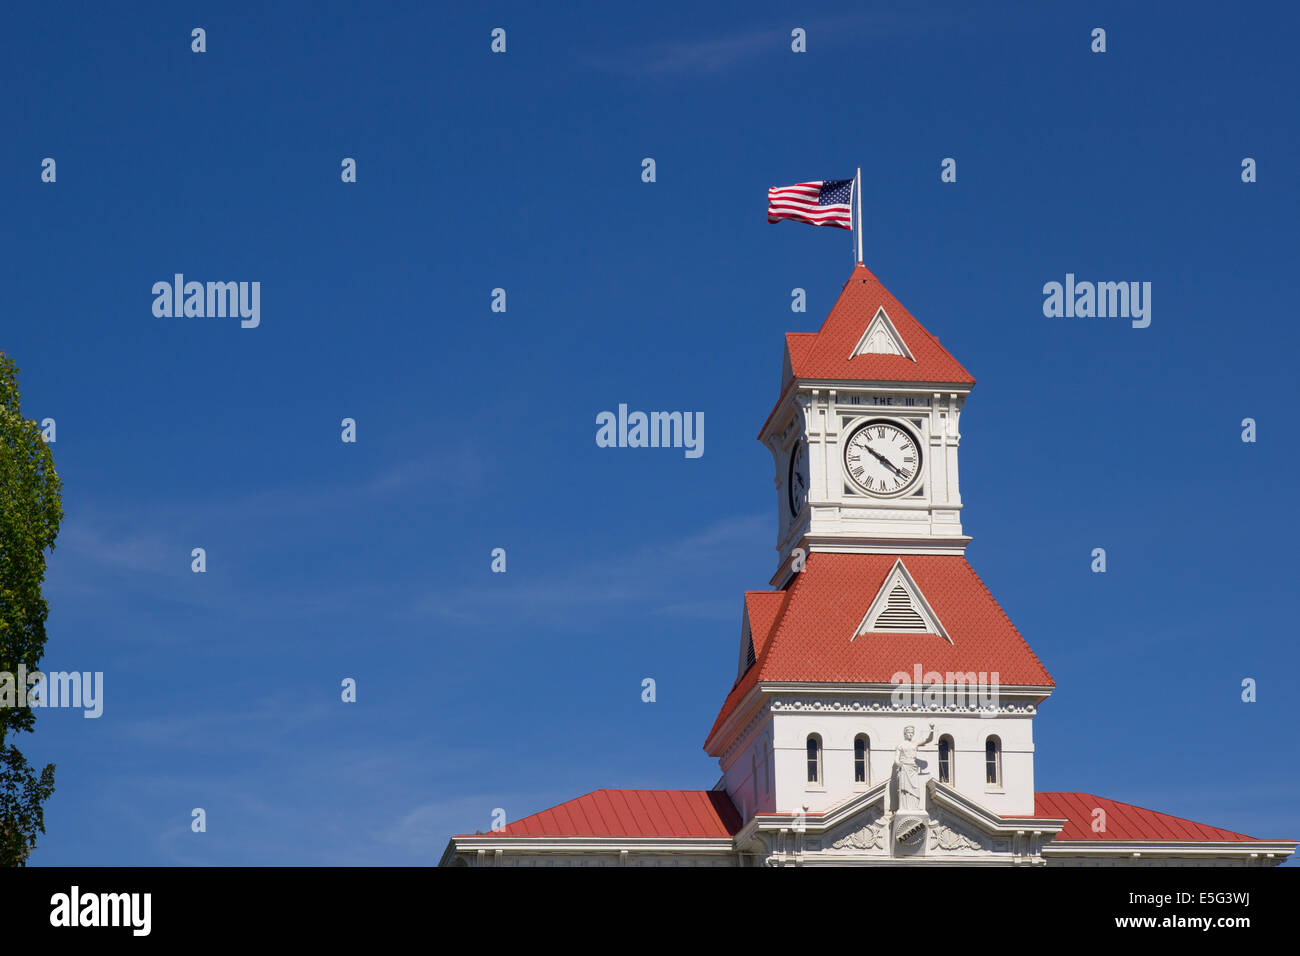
<point>764,607</point>
<point>1123,820</point>
<point>812,637</point>
<point>632,813</point>
<point>825,355</point>
<point>710,814</point>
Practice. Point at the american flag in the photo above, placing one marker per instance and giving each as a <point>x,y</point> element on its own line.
<point>826,202</point>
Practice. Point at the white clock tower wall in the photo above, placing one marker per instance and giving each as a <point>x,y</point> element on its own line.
<point>837,513</point>
<point>838,731</point>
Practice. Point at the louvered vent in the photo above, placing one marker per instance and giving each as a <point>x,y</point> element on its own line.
<point>749,653</point>
<point>899,615</point>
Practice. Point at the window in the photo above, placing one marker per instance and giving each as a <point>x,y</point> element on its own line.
<point>814,758</point>
<point>753,775</point>
<point>993,762</point>
<point>862,759</point>
<point>946,754</point>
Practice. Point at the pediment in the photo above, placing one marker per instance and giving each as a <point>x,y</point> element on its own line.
<point>950,833</point>
<point>868,832</point>
<point>881,338</point>
<point>864,828</point>
<point>900,608</point>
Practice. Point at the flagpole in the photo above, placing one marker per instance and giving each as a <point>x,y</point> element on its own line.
<point>857,194</point>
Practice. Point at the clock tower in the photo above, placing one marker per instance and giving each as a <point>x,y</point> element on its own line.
<point>883,706</point>
<point>879,667</point>
<point>865,434</point>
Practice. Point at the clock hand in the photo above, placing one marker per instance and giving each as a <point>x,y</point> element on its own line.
<point>883,460</point>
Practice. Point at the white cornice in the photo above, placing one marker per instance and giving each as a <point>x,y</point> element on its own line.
<point>873,543</point>
<point>873,385</point>
<point>732,730</point>
<point>886,688</point>
<point>758,700</point>
<point>945,796</point>
<point>1266,849</point>
<point>814,822</point>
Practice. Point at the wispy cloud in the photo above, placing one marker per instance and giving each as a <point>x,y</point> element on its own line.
<point>705,55</point>
<point>110,554</point>
<point>658,579</point>
<point>714,53</point>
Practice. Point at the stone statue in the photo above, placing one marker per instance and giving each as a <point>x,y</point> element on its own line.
<point>909,776</point>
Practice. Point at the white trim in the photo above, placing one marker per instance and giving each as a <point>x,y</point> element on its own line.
<point>1271,851</point>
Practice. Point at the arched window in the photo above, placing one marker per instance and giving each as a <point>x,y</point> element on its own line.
<point>814,758</point>
<point>993,762</point>
<point>946,754</point>
<point>861,759</point>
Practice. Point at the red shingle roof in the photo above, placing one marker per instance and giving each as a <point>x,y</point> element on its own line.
<point>764,607</point>
<point>632,813</point>
<point>826,354</point>
<point>1123,820</point>
<point>812,639</point>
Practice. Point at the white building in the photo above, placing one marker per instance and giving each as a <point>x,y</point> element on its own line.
<point>883,709</point>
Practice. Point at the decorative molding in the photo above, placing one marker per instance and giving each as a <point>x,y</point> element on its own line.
<point>943,837</point>
<point>872,835</point>
<point>855,706</point>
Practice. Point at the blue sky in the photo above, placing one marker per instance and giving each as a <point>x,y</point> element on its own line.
<point>476,429</point>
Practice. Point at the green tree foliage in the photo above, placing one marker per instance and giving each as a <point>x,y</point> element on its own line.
<point>30,512</point>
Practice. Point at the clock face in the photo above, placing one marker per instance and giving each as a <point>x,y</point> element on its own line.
<point>797,480</point>
<point>882,458</point>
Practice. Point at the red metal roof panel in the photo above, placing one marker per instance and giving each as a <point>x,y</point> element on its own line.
<point>632,813</point>
<point>1124,821</point>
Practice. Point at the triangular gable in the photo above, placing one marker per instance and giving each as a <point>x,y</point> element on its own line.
<point>900,608</point>
<point>832,352</point>
<point>882,338</point>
